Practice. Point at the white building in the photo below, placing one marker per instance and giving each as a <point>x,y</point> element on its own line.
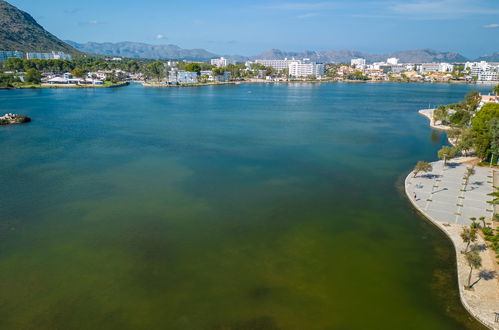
<point>305,69</point>
<point>358,63</point>
<point>4,55</point>
<point>219,62</point>
<point>278,64</point>
<point>483,70</point>
<point>436,67</point>
<point>49,56</point>
<point>392,61</point>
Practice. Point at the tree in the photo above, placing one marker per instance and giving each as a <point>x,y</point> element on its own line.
<point>482,129</point>
<point>33,76</point>
<point>155,70</point>
<point>494,137</point>
<point>441,114</point>
<point>469,172</point>
<point>193,67</point>
<point>473,100</point>
<point>79,73</point>
<point>496,90</point>
<point>482,219</point>
<point>446,153</point>
<point>218,71</point>
<point>468,235</point>
<point>474,261</point>
<point>422,166</point>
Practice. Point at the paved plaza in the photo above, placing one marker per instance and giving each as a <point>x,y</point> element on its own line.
<point>449,201</point>
<point>445,195</point>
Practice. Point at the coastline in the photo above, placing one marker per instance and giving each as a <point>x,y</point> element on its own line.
<point>482,302</point>
<point>63,86</point>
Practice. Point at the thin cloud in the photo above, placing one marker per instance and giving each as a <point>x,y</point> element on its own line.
<point>308,15</point>
<point>72,11</point>
<point>92,22</point>
<point>441,9</point>
<point>491,26</point>
<point>302,5</point>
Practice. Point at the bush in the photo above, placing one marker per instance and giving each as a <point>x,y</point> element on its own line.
<point>487,231</point>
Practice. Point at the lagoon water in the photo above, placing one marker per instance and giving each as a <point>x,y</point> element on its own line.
<point>223,207</point>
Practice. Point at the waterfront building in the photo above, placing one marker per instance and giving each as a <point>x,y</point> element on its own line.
<point>219,62</point>
<point>436,67</point>
<point>4,55</point>
<point>278,64</point>
<point>186,77</point>
<point>299,69</point>
<point>483,71</point>
<point>358,63</point>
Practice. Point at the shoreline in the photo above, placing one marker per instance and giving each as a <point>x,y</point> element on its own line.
<point>64,86</point>
<point>481,307</point>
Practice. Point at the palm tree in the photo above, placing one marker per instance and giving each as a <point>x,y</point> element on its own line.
<point>473,260</point>
<point>496,90</point>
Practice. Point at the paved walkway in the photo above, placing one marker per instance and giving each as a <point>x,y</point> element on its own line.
<point>445,198</point>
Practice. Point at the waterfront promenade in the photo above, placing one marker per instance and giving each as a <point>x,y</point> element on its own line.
<point>449,201</point>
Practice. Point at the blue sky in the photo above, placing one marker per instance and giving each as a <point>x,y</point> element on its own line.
<point>470,27</point>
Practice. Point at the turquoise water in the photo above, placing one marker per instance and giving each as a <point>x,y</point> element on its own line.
<point>222,207</point>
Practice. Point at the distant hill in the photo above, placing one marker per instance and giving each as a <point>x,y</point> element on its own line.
<point>489,58</point>
<point>142,50</point>
<point>344,56</point>
<point>19,31</point>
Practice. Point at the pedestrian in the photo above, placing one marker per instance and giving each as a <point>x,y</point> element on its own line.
<point>414,195</point>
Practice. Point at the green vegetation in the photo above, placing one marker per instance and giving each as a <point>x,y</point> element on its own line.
<point>447,153</point>
<point>85,63</point>
<point>8,80</point>
<point>422,166</point>
<point>474,261</point>
<point>33,76</point>
<point>472,129</point>
<point>468,235</point>
<point>193,67</point>
<point>155,70</point>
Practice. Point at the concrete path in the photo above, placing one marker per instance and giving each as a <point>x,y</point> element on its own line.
<point>447,200</point>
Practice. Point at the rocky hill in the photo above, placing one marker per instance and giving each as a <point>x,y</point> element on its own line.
<point>20,31</point>
<point>142,50</point>
<point>489,57</point>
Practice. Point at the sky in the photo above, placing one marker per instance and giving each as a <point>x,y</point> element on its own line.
<point>470,27</point>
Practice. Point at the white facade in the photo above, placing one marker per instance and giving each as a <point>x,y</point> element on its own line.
<point>278,64</point>
<point>49,56</point>
<point>4,55</point>
<point>306,69</point>
<point>358,63</point>
<point>483,71</point>
<point>219,62</point>
<point>392,61</point>
<point>436,67</point>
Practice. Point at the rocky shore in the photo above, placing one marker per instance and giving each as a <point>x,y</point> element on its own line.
<point>10,119</point>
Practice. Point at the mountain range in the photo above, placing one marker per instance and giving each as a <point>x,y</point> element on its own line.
<point>142,50</point>
<point>20,31</point>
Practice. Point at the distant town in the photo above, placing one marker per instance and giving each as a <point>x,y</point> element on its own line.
<point>53,69</point>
